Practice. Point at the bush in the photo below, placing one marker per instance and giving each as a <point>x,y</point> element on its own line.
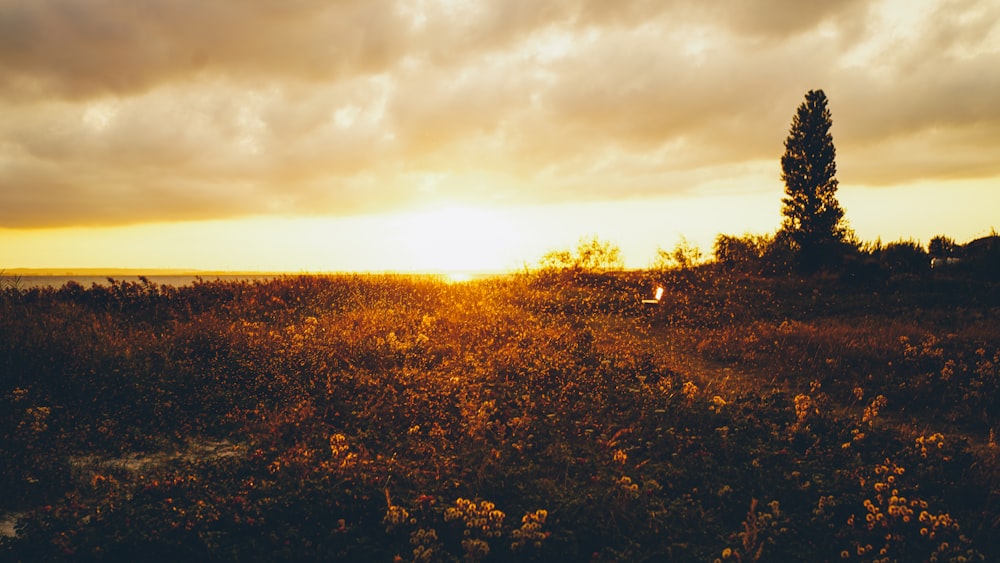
<point>904,257</point>
<point>590,255</point>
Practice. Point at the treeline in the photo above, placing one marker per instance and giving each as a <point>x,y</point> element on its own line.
<point>863,261</point>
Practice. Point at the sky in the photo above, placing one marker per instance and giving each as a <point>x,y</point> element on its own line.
<point>426,135</point>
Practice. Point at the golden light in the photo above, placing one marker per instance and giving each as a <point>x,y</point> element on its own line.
<point>457,240</point>
<point>458,277</point>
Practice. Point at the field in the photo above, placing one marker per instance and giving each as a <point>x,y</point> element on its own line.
<point>539,416</point>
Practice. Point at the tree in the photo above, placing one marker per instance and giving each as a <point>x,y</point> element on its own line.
<point>942,247</point>
<point>813,218</point>
<point>592,255</point>
<point>904,257</point>
<point>741,253</point>
<point>684,257</point>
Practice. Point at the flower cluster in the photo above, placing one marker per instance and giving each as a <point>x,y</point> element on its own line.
<point>35,419</point>
<point>340,451</point>
<point>824,505</point>
<point>690,390</point>
<point>424,544</point>
<point>628,488</point>
<point>475,549</point>
<point>930,443</point>
<point>530,532</point>
<point>395,515</point>
<point>872,410</point>
<point>804,408</point>
<point>894,518</point>
<point>482,518</point>
<point>888,500</point>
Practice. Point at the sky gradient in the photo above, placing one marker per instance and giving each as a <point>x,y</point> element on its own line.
<point>448,135</point>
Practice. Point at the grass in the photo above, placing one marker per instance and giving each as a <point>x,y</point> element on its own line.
<point>544,416</point>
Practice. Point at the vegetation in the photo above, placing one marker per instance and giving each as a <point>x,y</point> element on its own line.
<point>590,255</point>
<point>684,256</point>
<point>541,416</point>
<point>813,218</point>
<point>942,246</point>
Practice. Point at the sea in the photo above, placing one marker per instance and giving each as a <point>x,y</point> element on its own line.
<point>30,281</point>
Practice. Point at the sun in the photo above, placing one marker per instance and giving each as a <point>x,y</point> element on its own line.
<point>457,239</point>
<point>458,277</point>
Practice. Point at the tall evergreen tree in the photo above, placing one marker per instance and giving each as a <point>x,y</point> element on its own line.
<point>813,219</point>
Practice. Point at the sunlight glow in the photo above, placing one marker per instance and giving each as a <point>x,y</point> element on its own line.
<point>458,277</point>
<point>463,240</point>
<point>456,239</point>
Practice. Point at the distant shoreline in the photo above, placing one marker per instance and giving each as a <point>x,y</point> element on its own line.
<point>91,272</point>
<point>147,272</point>
<point>56,277</point>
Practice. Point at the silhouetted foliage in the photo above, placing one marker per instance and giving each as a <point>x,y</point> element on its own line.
<point>684,256</point>
<point>744,253</point>
<point>755,254</point>
<point>591,255</point>
<point>904,257</point>
<point>942,247</point>
<point>981,257</point>
<point>813,218</point>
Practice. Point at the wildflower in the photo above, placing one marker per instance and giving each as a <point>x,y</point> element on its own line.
<point>396,515</point>
<point>338,445</point>
<point>530,530</point>
<point>872,410</point>
<point>804,407</point>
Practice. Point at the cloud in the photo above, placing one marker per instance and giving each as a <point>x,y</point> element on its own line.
<point>123,112</point>
<point>78,49</point>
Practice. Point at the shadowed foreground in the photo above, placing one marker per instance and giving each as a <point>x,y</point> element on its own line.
<point>548,416</point>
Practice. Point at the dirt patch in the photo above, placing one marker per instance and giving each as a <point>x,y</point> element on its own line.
<point>8,524</point>
<point>194,451</point>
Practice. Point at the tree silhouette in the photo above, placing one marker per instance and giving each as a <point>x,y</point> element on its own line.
<point>942,247</point>
<point>813,219</point>
<point>591,255</point>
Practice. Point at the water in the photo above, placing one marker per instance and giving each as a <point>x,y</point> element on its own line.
<point>29,281</point>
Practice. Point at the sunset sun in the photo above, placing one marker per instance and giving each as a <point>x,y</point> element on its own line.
<point>457,239</point>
